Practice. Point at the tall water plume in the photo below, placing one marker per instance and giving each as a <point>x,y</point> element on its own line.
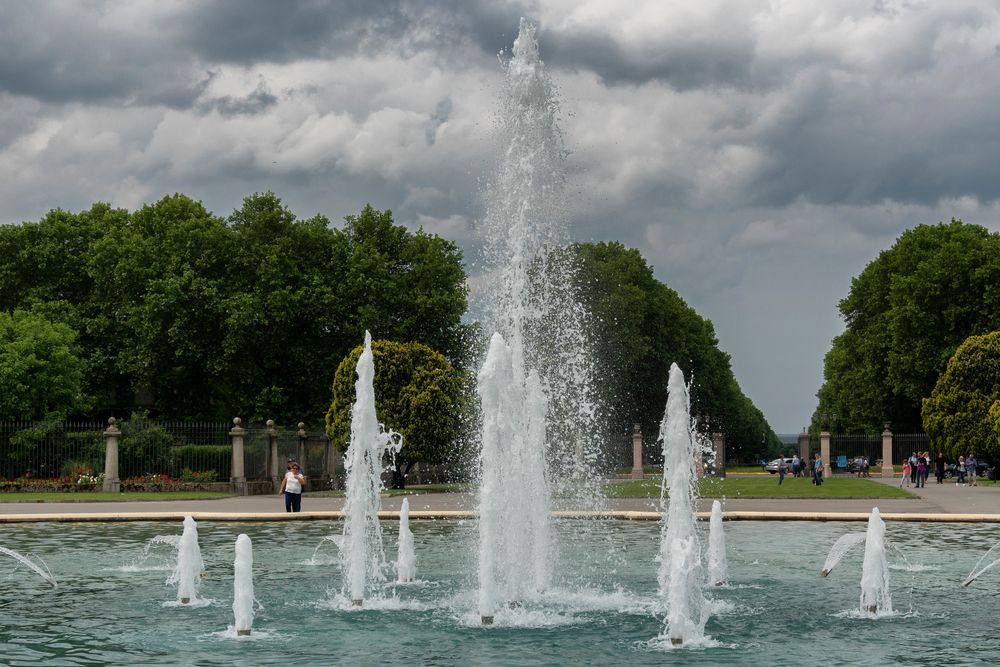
<point>243,597</point>
<point>406,560</point>
<point>875,597</point>
<point>362,555</point>
<point>190,565</point>
<point>680,575</point>
<point>718,564</point>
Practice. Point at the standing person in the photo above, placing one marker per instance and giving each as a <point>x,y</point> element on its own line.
<point>921,471</point>
<point>781,469</point>
<point>818,471</point>
<point>939,467</point>
<point>291,487</point>
<point>960,471</point>
<point>927,468</point>
<point>906,474</point>
<point>970,469</point>
<point>796,466</point>
<point>913,467</point>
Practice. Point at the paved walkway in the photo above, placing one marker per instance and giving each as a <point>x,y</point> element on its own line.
<point>947,499</point>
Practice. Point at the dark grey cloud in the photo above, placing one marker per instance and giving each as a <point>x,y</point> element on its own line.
<point>258,101</point>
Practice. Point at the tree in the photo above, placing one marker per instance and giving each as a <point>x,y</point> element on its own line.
<point>417,393</point>
<point>961,413</point>
<point>639,326</point>
<point>906,314</point>
<point>40,370</point>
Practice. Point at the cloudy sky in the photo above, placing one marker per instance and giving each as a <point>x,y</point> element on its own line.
<point>759,153</point>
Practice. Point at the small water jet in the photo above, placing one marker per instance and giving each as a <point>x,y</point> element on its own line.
<point>976,571</point>
<point>41,570</point>
<point>362,556</point>
<point>337,540</point>
<point>875,597</point>
<point>679,576</point>
<point>718,565</point>
<point>840,549</point>
<point>406,561</point>
<point>190,567</point>
<point>243,598</point>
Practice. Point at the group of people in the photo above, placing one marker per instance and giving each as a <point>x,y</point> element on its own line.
<point>801,468</point>
<point>916,469</point>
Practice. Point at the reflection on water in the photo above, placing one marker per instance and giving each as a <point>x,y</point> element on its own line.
<point>603,608</point>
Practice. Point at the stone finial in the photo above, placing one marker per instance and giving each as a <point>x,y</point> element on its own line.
<point>635,428</point>
<point>112,421</point>
<point>302,425</point>
<point>270,423</point>
<point>237,422</point>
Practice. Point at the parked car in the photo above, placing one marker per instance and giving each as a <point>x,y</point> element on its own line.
<point>857,466</point>
<point>772,467</point>
<point>982,468</point>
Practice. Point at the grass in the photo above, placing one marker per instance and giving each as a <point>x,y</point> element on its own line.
<point>765,487</point>
<point>105,496</point>
<point>411,490</point>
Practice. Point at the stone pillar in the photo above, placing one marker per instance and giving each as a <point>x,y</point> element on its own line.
<point>272,456</point>
<point>636,452</point>
<point>111,482</point>
<point>719,445</point>
<point>301,451</point>
<point>804,446</point>
<point>824,453</point>
<point>237,477</point>
<point>887,469</point>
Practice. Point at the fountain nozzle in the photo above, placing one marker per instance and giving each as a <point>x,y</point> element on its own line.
<point>487,620</point>
<point>185,600</point>
<point>356,603</point>
<point>824,573</point>
<point>242,633</point>
<point>676,641</point>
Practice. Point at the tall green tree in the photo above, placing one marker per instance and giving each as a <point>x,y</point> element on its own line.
<point>40,370</point>
<point>957,415</point>
<point>417,393</point>
<point>639,327</point>
<point>906,313</point>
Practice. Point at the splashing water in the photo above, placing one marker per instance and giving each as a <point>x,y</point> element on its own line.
<point>337,540</point>
<point>41,569</point>
<point>840,549</point>
<point>362,556</point>
<point>680,572</point>
<point>875,599</point>
<point>976,571</point>
<point>718,565</point>
<point>406,560</point>
<point>243,598</point>
<point>190,567</point>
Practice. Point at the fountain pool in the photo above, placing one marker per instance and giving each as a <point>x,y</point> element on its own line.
<point>603,605</point>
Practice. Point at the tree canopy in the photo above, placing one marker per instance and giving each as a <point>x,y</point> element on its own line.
<point>639,327</point>
<point>196,316</point>
<point>417,393</point>
<point>906,314</point>
<point>961,414</point>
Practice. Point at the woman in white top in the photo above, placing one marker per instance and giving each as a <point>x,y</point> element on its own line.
<point>291,487</point>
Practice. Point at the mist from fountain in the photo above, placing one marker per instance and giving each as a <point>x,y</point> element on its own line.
<point>190,567</point>
<point>243,598</point>
<point>875,599</point>
<point>362,555</point>
<point>718,565</point>
<point>406,560</point>
<point>680,575</point>
<point>840,549</point>
<point>41,570</point>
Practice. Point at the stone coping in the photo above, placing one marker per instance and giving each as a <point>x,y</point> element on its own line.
<point>91,517</point>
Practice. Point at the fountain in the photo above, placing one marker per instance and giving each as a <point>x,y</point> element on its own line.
<point>875,598</point>
<point>718,566</point>
<point>839,549</point>
<point>243,597</point>
<point>190,566</point>
<point>406,560</point>
<point>977,571</point>
<point>362,555</point>
<point>680,552</point>
<point>41,570</point>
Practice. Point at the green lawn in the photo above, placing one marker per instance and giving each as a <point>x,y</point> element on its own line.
<point>102,496</point>
<point>765,487</point>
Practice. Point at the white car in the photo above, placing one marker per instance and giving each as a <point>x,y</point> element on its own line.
<point>772,467</point>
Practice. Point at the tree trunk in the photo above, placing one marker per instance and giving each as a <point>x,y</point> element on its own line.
<point>399,476</point>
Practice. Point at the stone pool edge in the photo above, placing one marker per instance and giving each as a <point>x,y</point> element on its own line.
<point>93,517</point>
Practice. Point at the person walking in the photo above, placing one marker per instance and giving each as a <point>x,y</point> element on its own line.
<point>970,469</point>
<point>960,471</point>
<point>921,471</point>
<point>291,488</point>
<point>818,471</point>
<point>913,467</point>
<point>939,463</point>
<point>781,469</point>
<point>906,474</point>
<point>796,466</point>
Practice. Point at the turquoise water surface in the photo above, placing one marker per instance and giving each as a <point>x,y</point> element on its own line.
<point>603,609</point>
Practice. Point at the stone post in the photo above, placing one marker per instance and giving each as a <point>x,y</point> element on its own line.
<point>887,469</point>
<point>272,456</point>
<point>719,446</point>
<point>237,477</point>
<point>111,482</point>
<point>636,452</point>
<point>824,453</point>
<point>804,446</point>
<point>302,435</point>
